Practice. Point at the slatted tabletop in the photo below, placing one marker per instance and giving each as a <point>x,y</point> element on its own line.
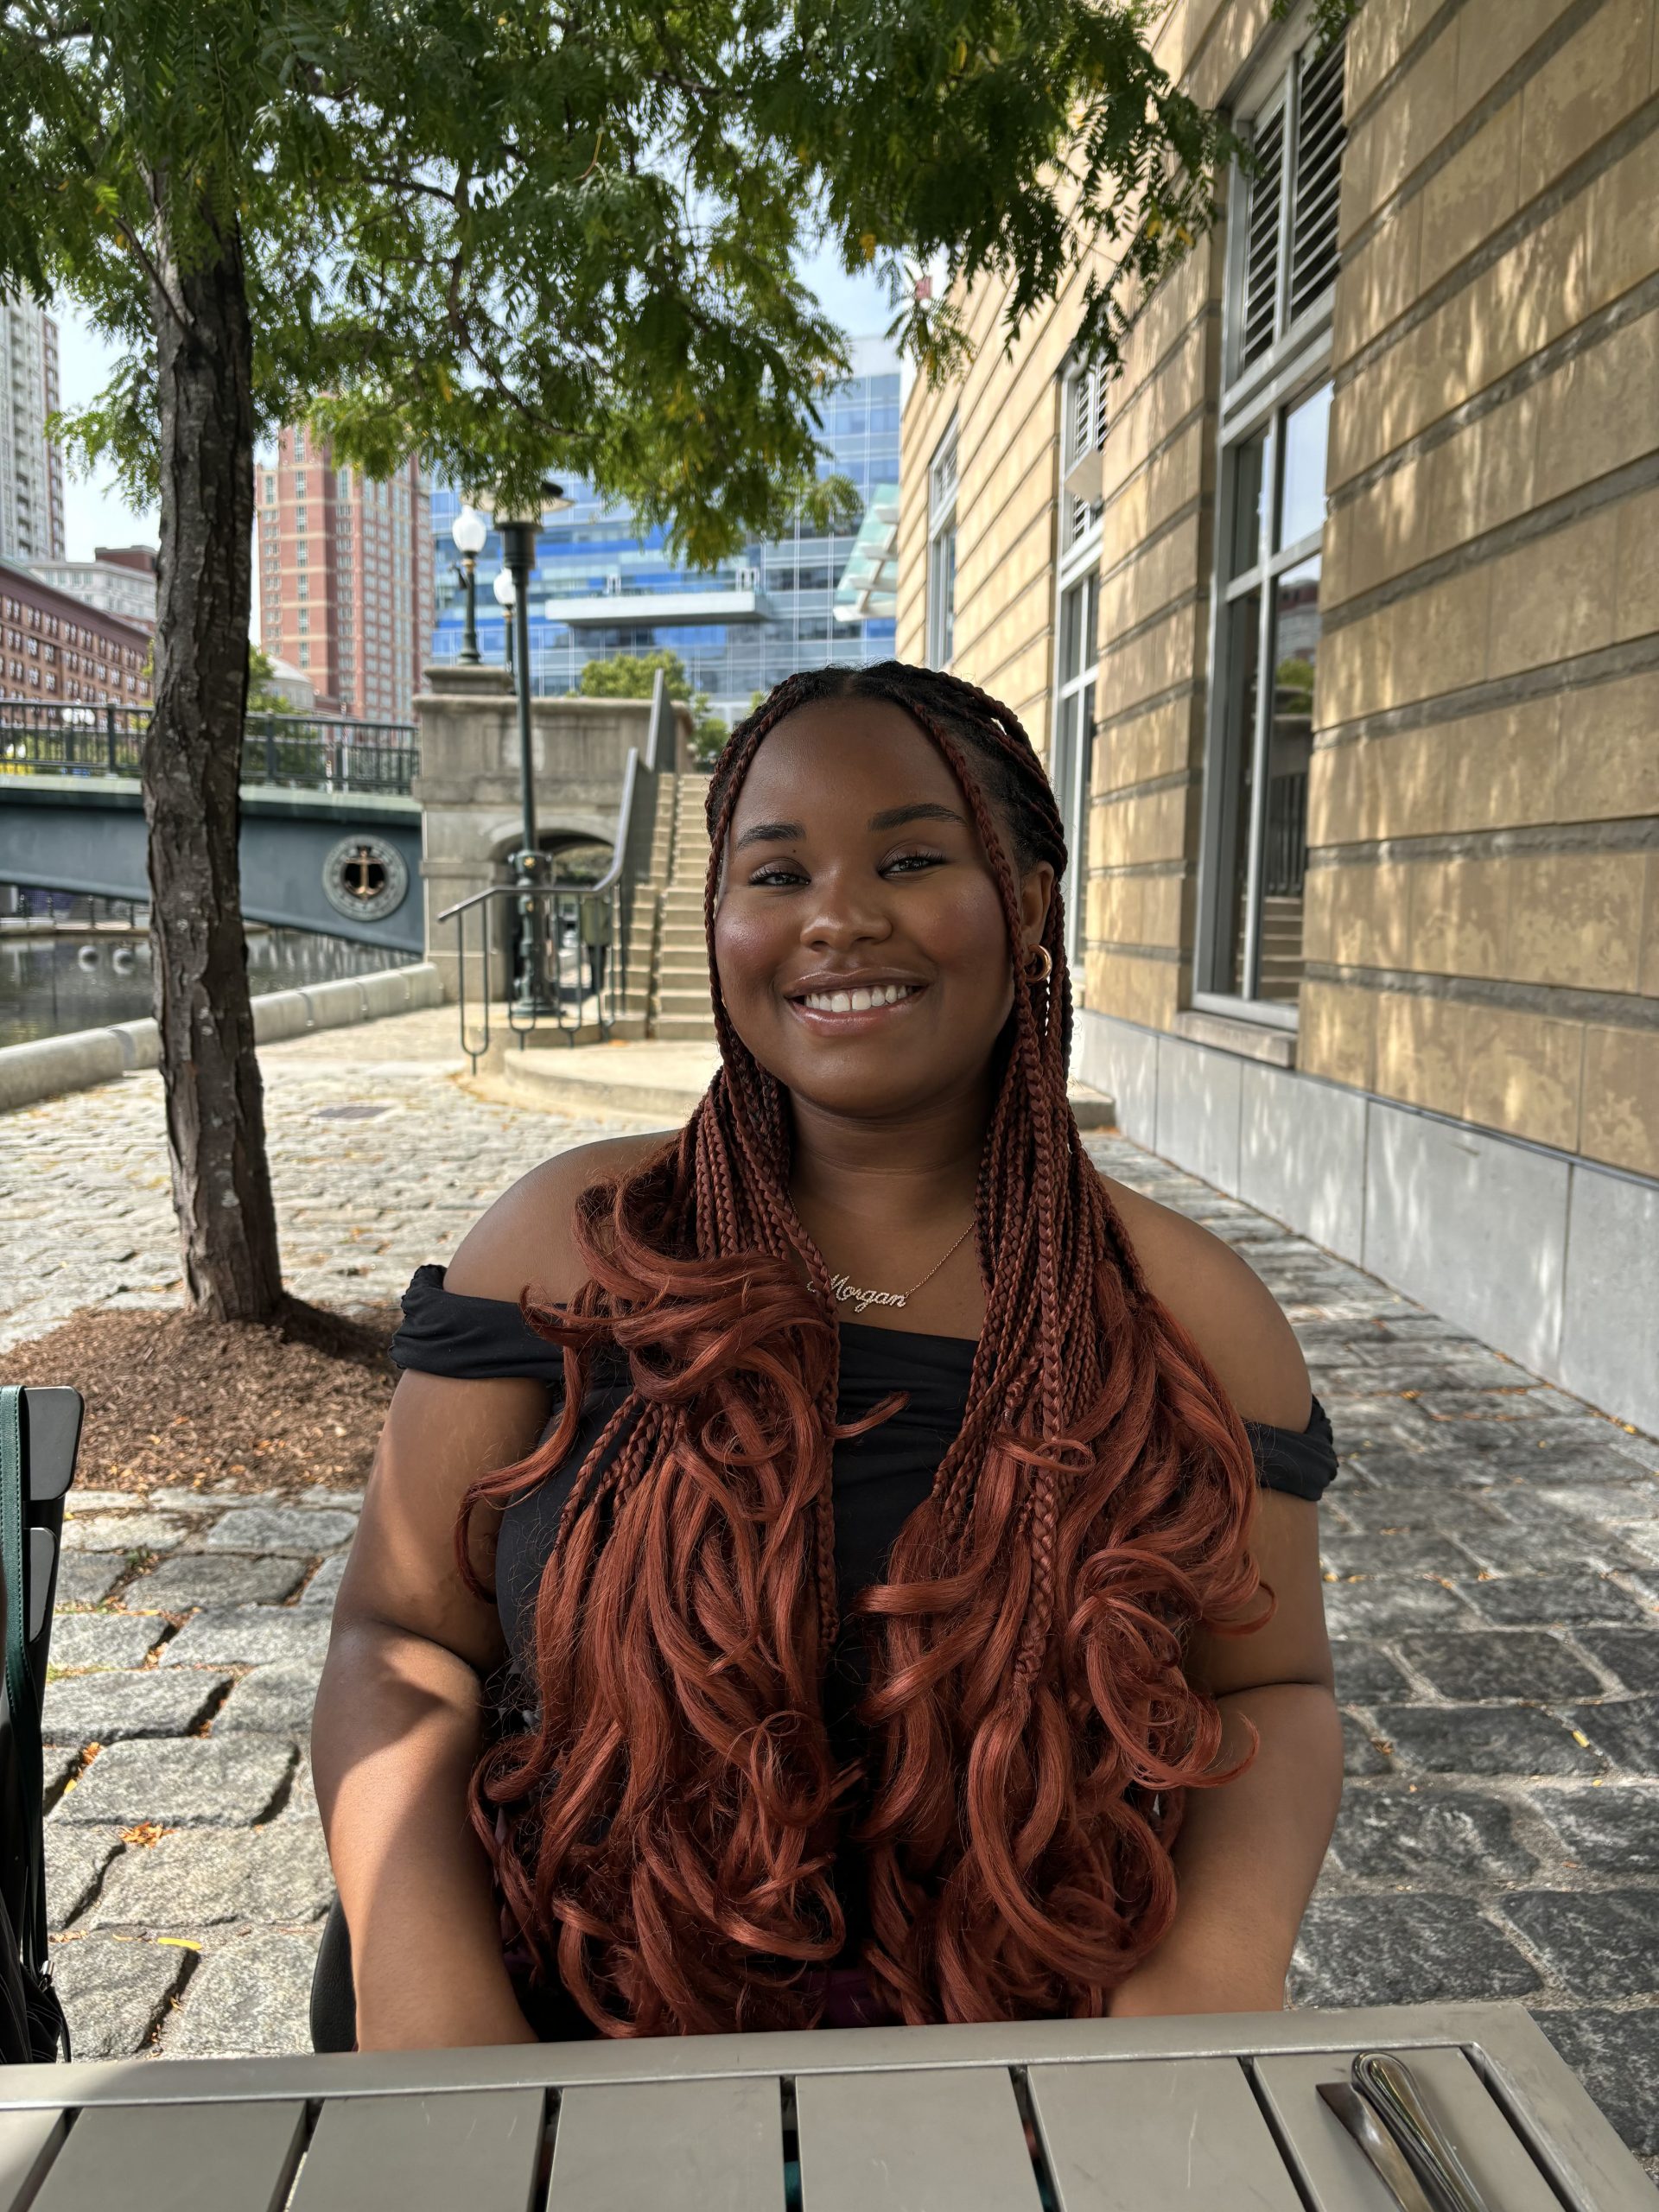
<point>1180,2115</point>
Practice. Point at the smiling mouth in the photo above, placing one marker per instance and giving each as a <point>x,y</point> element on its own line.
<point>867,999</point>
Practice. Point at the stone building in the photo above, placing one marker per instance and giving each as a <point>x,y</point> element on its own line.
<point>1371,941</point>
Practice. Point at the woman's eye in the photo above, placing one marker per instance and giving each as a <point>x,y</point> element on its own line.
<point>910,862</point>
<point>776,874</point>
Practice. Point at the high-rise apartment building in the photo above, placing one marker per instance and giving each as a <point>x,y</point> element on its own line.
<point>31,472</point>
<point>345,576</point>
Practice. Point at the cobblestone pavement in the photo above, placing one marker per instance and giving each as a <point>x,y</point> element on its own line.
<point>1492,1554</point>
<point>380,1158</point>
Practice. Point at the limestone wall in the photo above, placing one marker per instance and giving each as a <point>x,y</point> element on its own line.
<point>1481,920</point>
<point>1483,927</point>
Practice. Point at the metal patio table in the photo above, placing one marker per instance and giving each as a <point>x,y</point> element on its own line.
<point>1214,2115</point>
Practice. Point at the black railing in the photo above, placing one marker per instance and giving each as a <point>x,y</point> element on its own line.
<point>304,752</point>
<point>1284,857</point>
<point>574,935</point>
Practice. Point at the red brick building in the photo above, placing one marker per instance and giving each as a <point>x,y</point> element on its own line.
<point>58,649</point>
<point>345,579</point>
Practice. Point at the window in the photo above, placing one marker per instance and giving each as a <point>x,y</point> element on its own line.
<point>1082,439</point>
<point>941,552</point>
<point>1275,414</point>
<point>1076,660</point>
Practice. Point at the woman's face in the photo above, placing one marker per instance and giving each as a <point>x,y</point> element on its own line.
<point>860,937</point>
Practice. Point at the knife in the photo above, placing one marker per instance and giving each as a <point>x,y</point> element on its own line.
<point>1386,2084</point>
<point>1379,2146</point>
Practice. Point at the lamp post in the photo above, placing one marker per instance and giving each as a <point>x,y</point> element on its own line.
<point>469,532</point>
<point>519,525</point>
<point>507,594</point>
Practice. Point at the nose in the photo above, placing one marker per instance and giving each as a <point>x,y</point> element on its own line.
<point>846,909</point>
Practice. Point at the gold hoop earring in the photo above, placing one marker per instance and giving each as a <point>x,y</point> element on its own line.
<point>1039,975</point>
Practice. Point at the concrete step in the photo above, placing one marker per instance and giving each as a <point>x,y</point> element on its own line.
<point>684,1026</point>
<point>678,1001</point>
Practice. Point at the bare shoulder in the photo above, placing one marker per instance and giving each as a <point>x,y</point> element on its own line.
<point>526,1239</point>
<point>1224,1306</point>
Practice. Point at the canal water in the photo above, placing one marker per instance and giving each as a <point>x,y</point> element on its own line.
<point>50,985</point>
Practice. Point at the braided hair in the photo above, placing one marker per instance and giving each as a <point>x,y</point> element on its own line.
<point>667,1830</point>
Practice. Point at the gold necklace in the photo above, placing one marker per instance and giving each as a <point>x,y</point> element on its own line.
<point>848,1293</point>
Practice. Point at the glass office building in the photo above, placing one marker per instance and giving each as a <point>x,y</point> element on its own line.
<point>601,590</point>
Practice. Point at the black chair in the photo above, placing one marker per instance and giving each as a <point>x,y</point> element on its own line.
<point>40,1436</point>
<point>334,1994</point>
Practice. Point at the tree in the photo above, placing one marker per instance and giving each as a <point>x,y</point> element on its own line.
<point>263,698</point>
<point>515,241</point>
<point>633,675</point>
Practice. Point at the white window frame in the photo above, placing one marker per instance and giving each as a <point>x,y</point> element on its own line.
<point>1076,570</point>
<point>941,482</point>
<point>1292,367</point>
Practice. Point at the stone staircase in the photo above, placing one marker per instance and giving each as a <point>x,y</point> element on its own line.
<point>1281,947</point>
<point>679,1005</point>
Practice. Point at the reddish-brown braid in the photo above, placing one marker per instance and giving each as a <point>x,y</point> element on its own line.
<point>671,1819</point>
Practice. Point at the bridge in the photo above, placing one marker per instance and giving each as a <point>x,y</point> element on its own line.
<point>331,832</point>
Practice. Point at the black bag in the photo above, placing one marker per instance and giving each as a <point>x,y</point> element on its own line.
<point>32,2025</point>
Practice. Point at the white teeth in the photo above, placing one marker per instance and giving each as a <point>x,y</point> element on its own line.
<point>859,1002</point>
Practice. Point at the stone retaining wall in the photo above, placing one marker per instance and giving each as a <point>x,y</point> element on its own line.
<point>50,1066</point>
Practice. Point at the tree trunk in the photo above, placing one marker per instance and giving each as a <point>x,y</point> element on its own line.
<point>192,771</point>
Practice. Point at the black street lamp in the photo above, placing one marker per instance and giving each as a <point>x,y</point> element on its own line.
<point>520,531</point>
<point>470,530</point>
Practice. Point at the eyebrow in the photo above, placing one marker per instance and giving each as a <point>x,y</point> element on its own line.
<point>891,817</point>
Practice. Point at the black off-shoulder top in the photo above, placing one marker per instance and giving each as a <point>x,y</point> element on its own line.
<point>880,1477</point>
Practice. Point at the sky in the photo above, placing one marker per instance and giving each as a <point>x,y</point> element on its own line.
<point>96,514</point>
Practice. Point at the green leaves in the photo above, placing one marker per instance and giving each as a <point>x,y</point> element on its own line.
<point>521,241</point>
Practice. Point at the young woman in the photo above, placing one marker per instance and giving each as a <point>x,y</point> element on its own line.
<point>850,1560</point>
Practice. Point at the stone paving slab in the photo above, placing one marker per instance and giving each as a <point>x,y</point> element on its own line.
<point>270,1700</point>
<point>114,1990</point>
<point>193,1878</point>
<point>303,1531</point>
<point>122,1532</point>
<point>103,1708</point>
<point>103,1639</point>
<point>188,1782</point>
<point>249,1636</point>
<point>324,1586</point>
<point>75,1860</point>
<point>86,1578</point>
<point>189,1579</point>
<point>244,1998</point>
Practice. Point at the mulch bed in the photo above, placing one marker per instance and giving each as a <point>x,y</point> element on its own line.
<point>173,1400</point>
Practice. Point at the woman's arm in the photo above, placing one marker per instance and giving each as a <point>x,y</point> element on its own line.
<point>1249,1850</point>
<point>398,1721</point>
<point>397,1726</point>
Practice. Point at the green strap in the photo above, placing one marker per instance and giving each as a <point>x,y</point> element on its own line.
<point>22,1698</point>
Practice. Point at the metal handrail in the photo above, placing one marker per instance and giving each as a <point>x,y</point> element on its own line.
<point>608,887</point>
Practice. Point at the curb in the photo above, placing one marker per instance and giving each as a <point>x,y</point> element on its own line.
<point>50,1067</point>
